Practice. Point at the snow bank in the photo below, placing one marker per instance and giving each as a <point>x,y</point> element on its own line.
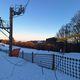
<point>12,68</point>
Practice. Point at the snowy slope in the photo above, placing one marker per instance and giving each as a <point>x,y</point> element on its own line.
<point>12,68</point>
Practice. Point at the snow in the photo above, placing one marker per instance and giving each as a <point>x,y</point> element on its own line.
<point>14,68</point>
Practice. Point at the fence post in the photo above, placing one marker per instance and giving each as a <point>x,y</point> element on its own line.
<point>32,57</point>
<point>23,54</point>
<point>79,69</point>
<point>53,62</point>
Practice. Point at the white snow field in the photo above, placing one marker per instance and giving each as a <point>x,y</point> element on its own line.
<point>15,68</point>
<point>12,68</point>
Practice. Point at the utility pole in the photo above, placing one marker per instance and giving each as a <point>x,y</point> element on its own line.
<point>14,12</point>
<point>11,31</point>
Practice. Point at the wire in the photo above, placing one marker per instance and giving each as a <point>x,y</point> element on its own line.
<point>4,33</point>
<point>27,4</point>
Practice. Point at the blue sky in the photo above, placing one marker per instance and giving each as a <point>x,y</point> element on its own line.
<point>42,19</point>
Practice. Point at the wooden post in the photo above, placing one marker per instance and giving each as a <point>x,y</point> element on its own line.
<point>11,31</point>
<point>53,63</point>
<point>23,54</point>
<point>32,57</point>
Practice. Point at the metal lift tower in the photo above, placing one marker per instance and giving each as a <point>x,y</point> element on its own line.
<point>14,11</point>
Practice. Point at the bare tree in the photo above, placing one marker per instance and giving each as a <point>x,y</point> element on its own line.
<point>76,26</point>
<point>71,29</point>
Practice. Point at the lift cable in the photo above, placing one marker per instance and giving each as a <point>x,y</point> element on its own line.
<point>26,5</point>
<point>3,33</point>
<point>2,26</point>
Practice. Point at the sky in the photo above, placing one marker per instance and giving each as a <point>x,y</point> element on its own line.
<point>42,19</point>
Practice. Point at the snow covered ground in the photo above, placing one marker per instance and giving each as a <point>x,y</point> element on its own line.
<point>12,68</point>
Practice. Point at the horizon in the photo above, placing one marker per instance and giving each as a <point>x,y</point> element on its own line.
<point>42,18</point>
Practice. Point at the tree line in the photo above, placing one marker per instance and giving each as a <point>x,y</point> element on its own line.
<point>71,30</point>
<point>31,44</point>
